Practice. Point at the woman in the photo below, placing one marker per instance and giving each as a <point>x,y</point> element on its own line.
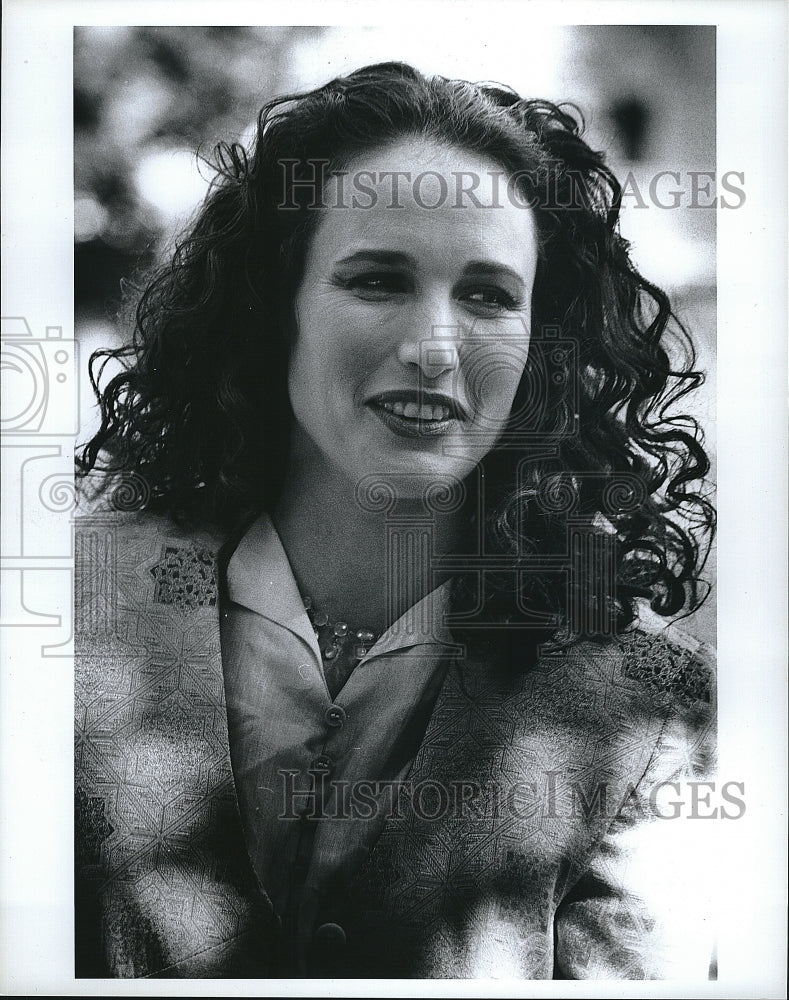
<point>366,685</point>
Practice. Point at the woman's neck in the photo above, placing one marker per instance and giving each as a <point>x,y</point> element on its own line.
<point>360,565</point>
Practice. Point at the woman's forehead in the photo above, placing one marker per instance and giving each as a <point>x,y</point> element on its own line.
<point>426,200</point>
<point>426,171</point>
<point>419,237</point>
<point>416,153</point>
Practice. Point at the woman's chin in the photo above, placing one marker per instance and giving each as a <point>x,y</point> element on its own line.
<point>423,476</point>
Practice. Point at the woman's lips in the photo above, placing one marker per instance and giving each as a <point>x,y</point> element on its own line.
<point>414,420</point>
<point>415,411</point>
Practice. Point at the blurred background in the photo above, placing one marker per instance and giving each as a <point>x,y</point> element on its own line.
<point>148,100</point>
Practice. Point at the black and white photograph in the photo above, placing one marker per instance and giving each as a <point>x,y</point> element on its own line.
<point>394,489</point>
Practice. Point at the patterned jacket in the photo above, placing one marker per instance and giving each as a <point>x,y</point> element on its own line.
<point>537,838</point>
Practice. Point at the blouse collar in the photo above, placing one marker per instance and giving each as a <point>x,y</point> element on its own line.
<point>259,577</point>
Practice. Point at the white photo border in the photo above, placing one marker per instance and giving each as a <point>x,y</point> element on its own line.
<point>36,743</point>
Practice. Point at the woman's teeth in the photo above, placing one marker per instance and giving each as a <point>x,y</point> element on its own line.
<point>415,411</point>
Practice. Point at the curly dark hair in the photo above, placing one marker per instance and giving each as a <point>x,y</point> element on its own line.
<point>605,466</point>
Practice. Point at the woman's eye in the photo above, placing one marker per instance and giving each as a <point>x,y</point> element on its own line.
<point>490,299</point>
<point>374,286</point>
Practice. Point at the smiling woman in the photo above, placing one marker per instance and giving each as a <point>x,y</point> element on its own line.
<point>391,305</point>
<point>388,500</point>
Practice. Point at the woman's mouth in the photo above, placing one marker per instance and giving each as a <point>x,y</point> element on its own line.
<point>409,417</point>
<point>415,411</point>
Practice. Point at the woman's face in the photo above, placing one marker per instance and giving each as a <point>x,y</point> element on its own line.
<point>412,318</point>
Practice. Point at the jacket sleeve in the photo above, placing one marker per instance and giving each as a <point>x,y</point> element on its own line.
<point>642,907</point>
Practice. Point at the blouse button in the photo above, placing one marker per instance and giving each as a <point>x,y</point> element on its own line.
<point>329,937</point>
<point>322,764</point>
<point>335,716</point>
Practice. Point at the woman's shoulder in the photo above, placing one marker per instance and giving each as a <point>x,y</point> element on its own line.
<point>122,508</point>
<point>654,663</point>
<point>155,560</point>
<point>654,683</point>
<point>668,659</point>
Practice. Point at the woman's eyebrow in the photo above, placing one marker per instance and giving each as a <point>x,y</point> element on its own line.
<point>491,269</point>
<point>391,257</point>
<point>395,258</point>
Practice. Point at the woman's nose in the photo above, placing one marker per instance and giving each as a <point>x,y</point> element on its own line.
<point>433,355</point>
<point>432,342</point>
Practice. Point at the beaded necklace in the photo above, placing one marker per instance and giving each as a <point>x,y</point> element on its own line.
<point>341,646</point>
<point>333,639</point>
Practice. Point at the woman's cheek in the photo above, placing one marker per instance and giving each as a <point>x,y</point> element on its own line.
<point>492,380</point>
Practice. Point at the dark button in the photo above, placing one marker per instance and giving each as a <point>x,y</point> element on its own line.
<point>329,937</point>
<point>335,716</point>
<point>322,764</point>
